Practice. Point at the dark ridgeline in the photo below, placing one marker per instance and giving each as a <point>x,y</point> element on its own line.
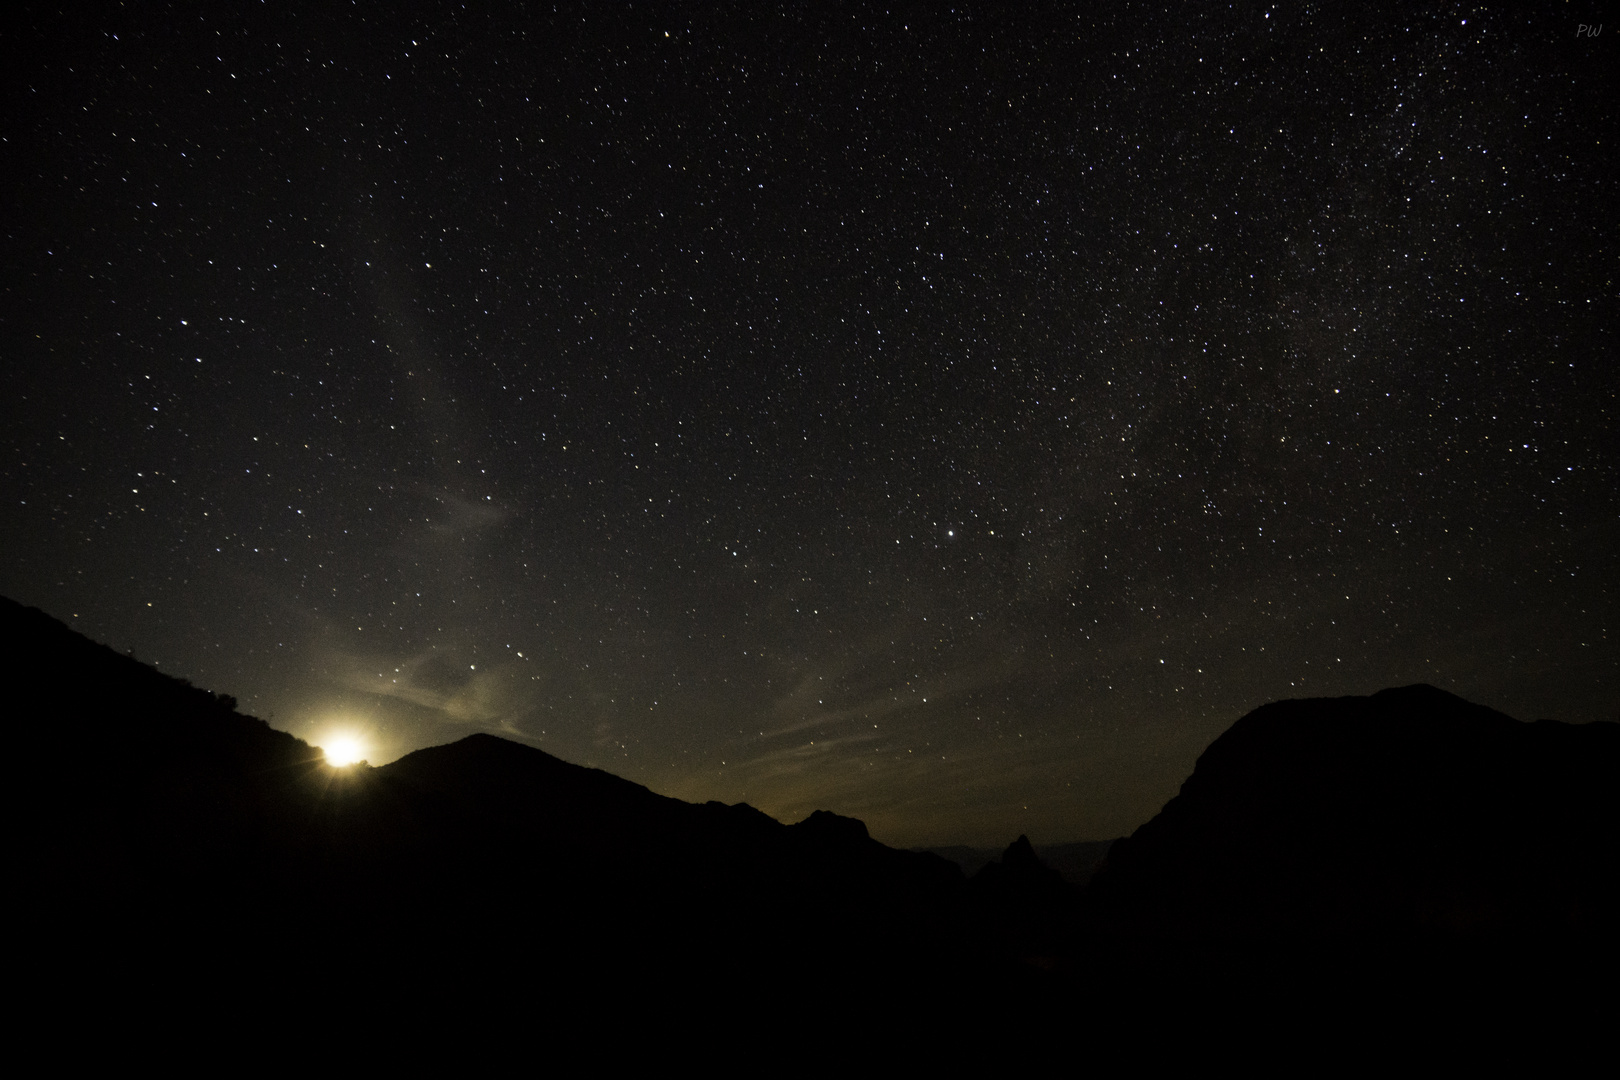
<point>1348,847</point>
<point>1405,851</point>
<point>1407,813</point>
<point>170,835</point>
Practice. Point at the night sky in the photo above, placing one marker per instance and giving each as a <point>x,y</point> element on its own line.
<point>952,417</point>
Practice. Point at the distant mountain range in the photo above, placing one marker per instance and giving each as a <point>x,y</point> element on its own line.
<point>168,841</point>
<point>1075,862</point>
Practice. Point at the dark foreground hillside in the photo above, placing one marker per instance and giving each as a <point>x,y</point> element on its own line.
<point>1408,855</point>
<point>167,827</point>
<point>1406,813</point>
<point>1354,861</point>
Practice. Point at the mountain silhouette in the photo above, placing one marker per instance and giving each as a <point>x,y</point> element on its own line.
<point>171,848</point>
<point>1408,811</point>
<point>1406,862</point>
<point>1075,861</point>
<point>173,834</point>
<point>1023,907</point>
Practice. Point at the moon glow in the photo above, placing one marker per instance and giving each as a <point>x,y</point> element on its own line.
<point>341,750</point>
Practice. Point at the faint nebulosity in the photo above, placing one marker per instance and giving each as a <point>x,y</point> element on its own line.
<point>949,417</point>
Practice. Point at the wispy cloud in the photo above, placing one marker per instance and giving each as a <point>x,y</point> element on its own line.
<point>443,680</point>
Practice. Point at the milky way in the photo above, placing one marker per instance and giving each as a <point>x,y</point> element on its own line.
<point>953,418</point>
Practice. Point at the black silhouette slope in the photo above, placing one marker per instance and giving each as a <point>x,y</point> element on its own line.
<point>132,781</point>
<point>1408,812</point>
<point>165,826</point>
<point>510,820</point>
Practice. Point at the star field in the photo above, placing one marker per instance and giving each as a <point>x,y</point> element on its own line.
<point>950,417</point>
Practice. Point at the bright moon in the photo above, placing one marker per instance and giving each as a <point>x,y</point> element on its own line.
<point>343,750</point>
